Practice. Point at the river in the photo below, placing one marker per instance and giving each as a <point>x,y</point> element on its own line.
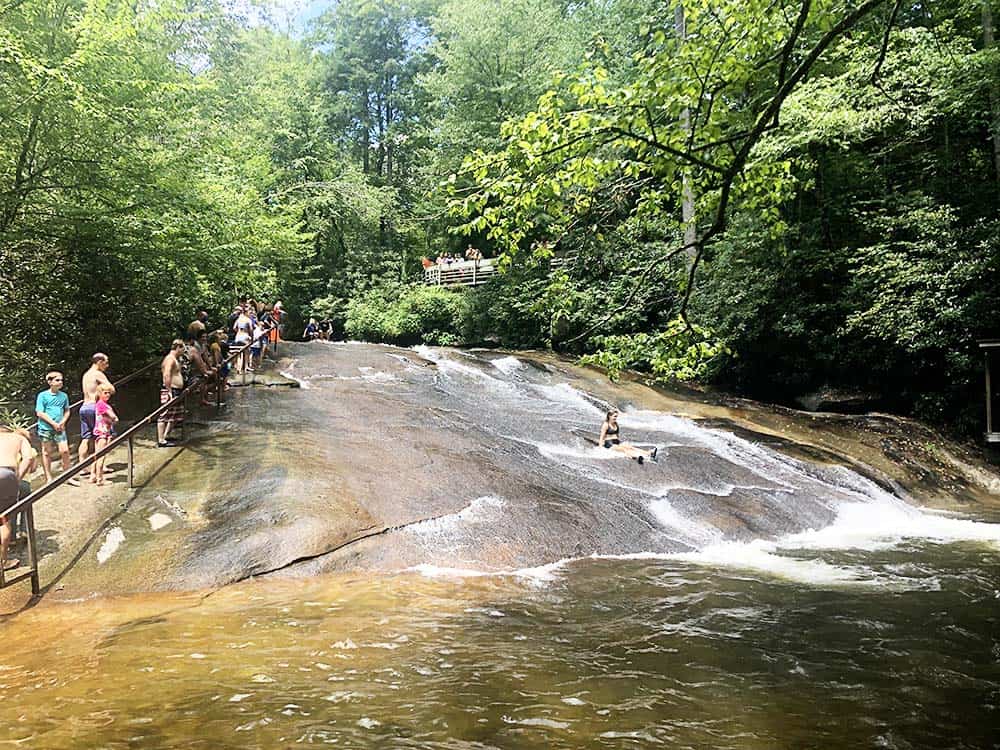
<point>516,588</point>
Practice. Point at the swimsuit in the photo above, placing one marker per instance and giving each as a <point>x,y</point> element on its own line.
<point>88,416</point>
<point>9,488</point>
<point>609,440</point>
<point>175,413</point>
<point>104,427</point>
<point>54,406</point>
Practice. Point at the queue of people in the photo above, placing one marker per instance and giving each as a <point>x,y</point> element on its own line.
<point>199,354</point>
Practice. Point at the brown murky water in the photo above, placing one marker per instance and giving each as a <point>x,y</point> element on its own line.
<point>604,653</point>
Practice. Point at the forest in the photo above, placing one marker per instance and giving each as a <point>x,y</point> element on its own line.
<point>768,197</point>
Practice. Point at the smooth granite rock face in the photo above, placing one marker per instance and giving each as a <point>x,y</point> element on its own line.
<point>385,459</point>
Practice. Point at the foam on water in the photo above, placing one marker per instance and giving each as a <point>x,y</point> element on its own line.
<point>699,534</point>
<point>158,520</point>
<point>486,508</point>
<point>508,365</point>
<point>760,556</point>
<point>112,542</point>
<point>887,522</point>
<point>538,573</point>
<point>563,394</point>
<point>303,383</point>
<point>371,375</point>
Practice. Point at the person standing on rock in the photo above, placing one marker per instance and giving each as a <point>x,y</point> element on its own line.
<point>16,461</point>
<point>104,429</point>
<point>199,325</point>
<point>93,378</point>
<point>52,410</point>
<point>172,385</point>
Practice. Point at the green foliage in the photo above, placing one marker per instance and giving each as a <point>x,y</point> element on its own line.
<point>15,420</point>
<point>675,353</point>
<point>135,187</point>
<point>401,314</point>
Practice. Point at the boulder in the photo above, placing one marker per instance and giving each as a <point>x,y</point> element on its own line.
<point>840,400</point>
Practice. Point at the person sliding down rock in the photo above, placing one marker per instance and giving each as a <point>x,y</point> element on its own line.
<point>611,439</point>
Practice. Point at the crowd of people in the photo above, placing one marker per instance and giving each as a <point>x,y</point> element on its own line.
<point>199,356</point>
<point>447,259</point>
<point>321,330</point>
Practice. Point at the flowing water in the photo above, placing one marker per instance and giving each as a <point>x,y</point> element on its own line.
<point>524,589</point>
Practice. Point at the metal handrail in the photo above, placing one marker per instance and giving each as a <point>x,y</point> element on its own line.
<point>128,378</point>
<point>26,504</point>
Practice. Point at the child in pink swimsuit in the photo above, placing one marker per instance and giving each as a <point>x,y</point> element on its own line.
<point>104,426</point>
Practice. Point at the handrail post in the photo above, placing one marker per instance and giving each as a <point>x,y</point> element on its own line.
<point>989,394</point>
<point>131,463</point>
<point>219,385</point>
<point>29,517</point>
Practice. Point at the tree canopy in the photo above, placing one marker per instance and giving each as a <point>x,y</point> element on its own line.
<point>772,196</point>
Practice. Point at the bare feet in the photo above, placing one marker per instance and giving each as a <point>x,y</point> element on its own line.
<point>73,482</point>
<point>10,563</point>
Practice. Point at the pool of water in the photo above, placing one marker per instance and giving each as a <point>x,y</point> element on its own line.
<point>615,653</point>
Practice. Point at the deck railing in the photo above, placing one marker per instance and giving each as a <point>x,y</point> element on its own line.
<point>26,504</point>
<point>460,273</point>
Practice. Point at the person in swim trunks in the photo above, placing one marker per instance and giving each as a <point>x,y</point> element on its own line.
<point>52,410</point>
<point>172,385</point>
<point>611,439</point>
<point>92,378</point>
<point>16,461</point>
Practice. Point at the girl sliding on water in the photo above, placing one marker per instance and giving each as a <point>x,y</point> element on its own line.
<point>611,439</point>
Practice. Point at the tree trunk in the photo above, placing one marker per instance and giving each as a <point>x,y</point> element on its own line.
<point>366,135</point>
<point>687,192</point>
<point>988,43</point>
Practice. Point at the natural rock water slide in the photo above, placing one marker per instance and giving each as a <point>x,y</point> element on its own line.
<point>472,462</point>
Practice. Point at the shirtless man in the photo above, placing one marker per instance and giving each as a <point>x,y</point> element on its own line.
<point>171,385</point>
<point>15,462</point>
<point>92,378</point>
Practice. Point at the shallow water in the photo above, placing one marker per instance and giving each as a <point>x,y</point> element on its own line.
<point>602,653</point>
<point>552,597</point>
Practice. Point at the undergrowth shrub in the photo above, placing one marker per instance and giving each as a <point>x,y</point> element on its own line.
<point>408,315</point>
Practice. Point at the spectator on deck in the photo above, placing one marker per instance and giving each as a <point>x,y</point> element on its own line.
<point>312,330</point>
<point>472,253</point>
<point>426,262</point>
<point>324,329</point>
<point>52,410</point>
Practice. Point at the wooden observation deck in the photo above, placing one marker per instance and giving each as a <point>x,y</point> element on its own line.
<point>460,273</point>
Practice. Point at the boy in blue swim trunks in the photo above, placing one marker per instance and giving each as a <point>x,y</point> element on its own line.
<point>52,409</point>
